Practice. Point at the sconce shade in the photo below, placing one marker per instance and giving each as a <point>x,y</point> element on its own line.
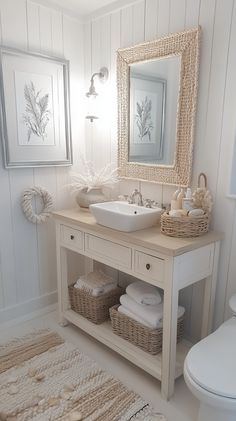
<point>92,94</point>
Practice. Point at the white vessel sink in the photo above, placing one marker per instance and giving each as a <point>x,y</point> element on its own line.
<point>123,216</point>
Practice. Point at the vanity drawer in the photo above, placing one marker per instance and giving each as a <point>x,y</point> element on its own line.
<point>72,237</point>
<point>114,253</point>
<point>150,266</point>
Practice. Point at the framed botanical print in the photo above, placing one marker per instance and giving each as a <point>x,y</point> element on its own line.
<point>147,117</point>
<point>34,110</point>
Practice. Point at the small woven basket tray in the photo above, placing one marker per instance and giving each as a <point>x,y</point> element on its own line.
<point>148,339</point>
<point>184,226</point>
<point>95,309</point>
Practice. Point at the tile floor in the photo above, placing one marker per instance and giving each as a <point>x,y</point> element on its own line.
<point>182,407</point>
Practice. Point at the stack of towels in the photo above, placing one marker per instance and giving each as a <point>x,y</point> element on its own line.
<point>96,283</point>
<point>143,303</point>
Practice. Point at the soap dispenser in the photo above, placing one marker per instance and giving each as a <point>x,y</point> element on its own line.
<point>187,201</point>
<point>174,201</point>
<point>180,198</point>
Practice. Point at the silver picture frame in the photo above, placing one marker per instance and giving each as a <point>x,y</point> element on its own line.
<point>147,146</point>
<point>35,126</point>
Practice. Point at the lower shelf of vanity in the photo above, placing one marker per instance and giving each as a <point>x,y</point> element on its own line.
<point>149,363</point>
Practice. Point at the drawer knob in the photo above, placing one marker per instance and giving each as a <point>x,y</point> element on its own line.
<point>148,266</point>
<point>72,237</point>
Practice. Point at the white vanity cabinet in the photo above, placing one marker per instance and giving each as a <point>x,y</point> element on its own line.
<point>169,263</point>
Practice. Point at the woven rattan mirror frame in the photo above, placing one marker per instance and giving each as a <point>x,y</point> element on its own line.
<point>186,46</point>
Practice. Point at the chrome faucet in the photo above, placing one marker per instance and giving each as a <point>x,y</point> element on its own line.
<point>133,196</point>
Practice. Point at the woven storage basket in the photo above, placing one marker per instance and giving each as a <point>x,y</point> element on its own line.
<point>184,226</point>
<point>149,340</point>
<point>95,309</point>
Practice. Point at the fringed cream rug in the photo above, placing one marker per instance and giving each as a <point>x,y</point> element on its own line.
<point>43,378</point>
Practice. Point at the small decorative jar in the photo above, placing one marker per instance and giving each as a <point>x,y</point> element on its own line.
<point>86,197</point>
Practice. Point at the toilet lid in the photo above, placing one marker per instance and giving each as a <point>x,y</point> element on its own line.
<point>212,362</point>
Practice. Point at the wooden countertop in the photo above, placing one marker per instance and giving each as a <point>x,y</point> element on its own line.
<point>150,238</point>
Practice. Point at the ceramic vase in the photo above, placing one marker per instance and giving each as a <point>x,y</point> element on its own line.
<point>84,198</point>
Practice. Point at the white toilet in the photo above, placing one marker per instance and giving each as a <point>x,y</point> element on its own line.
<point>210,372</point>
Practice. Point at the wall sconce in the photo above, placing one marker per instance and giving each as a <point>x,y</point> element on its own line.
<point>92,94</point>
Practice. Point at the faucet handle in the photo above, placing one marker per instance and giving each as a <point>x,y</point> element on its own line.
<point>123,197</point>
<point>148,203</point>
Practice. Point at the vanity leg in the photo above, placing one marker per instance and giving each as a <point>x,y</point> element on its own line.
<point>171,295</point>
<point>61,280</point>
<point>209,295</point>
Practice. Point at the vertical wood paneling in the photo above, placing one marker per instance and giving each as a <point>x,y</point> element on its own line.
<point>74,52</point>
<point>177,15</point>
<point>102,125</point>
<point>151,18</point>
<point>45,28</point>
<point>2,298</point>
<point>222,26</point>
<point>206,20</point>
<point>127,27</point>
<point>25,239</point>
<point>115,44</point>
<point>88,72</point>
<point>58,50</point>
<point>15,33</point>
<point>27,257</point>
<point>33,26</point>
<point>212,136</point>
<point>192,13</point>
<point>163,17</point>
<point>57,34</point>
<point>139,22</point>
<point>224,207</point>
<point>7,262</point>
<point>45,177</point>
<point>46,236</point>
<point>96,64</point>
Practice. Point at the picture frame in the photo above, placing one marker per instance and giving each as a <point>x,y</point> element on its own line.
<point>34,109</point>
<point>147,117</point>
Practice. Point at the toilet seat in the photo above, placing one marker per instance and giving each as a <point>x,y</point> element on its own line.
<point>209,398</point>
<point>211,363</point>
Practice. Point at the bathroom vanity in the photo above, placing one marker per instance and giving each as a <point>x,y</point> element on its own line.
<point>168,263</point>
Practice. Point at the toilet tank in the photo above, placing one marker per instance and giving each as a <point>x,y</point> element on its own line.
<point>232,304</point>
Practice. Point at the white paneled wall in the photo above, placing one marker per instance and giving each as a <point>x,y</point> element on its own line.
<point>27,251</point>
<point>216,116</point>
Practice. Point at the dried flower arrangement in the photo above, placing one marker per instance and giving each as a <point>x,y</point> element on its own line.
<point>90,179</point>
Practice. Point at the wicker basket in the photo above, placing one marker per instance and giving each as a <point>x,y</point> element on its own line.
<point>184,226</point>
<point>95,309</point>
<point>149,340</point>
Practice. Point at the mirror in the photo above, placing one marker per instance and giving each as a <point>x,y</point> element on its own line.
<point>154,89</point>
<point>157,89</point>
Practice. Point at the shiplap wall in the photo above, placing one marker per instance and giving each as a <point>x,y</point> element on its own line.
<point>216,116</point>
<point>27,251</point>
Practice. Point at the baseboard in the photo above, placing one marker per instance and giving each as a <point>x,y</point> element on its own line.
<point>29,309</point>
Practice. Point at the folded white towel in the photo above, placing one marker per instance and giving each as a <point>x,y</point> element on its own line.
<point>96,283</point>
<point>144,293</point>
<point>153,315</point>
<point>133,316</point>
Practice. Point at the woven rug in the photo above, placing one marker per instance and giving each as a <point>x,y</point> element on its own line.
<point>43,378</point>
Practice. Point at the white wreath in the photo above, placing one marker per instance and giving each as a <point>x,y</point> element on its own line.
<point>26,203</point>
